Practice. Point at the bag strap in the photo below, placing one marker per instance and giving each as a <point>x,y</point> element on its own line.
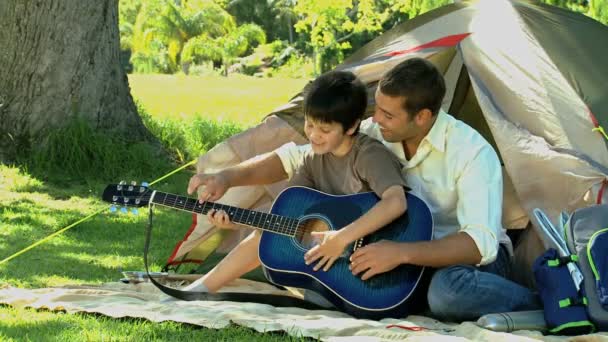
<point>270,299</point>
<point>562,260</point>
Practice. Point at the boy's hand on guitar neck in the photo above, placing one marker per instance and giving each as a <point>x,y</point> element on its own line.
<point>215,185</point>
<point>220,219</point>
<point>328,251</point>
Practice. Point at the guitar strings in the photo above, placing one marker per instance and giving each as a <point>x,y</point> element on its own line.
<point>287,227</point>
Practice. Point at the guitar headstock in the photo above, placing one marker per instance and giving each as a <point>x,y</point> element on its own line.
<point>131,195</point>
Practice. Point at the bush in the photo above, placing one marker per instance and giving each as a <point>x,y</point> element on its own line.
<point>186,141</point>
<point>205,69</point>
<point>79,153</point>
<point>297,66</point>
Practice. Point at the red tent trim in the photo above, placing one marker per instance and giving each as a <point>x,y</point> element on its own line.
<point>441,42</point>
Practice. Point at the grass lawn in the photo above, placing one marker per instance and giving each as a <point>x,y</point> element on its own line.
<point>33,206</point>
<point>237,98</point>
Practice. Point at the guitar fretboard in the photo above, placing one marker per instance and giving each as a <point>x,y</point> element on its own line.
<point>257,219</point>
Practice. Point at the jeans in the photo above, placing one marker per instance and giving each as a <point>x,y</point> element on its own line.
<point>465,292</point>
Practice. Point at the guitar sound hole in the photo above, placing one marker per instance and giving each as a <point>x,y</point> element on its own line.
<point>306,227</point>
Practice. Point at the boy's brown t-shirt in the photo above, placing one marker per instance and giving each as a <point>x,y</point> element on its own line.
<point>369,166</point>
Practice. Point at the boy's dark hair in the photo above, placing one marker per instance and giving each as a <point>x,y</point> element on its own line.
<point>336,96</point>
<point>419,81</point>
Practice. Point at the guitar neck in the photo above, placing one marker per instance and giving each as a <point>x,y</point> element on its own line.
<point>269,222</point>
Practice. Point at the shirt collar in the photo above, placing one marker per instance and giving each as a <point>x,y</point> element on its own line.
<point>437,135</point>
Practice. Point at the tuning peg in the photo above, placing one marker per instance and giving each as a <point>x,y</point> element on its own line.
<point>144,184</point>
<point>112,208</point>
<point>124,210</point>
<point>134,183</point>
<point>122,182</point>
<point>135,211</point>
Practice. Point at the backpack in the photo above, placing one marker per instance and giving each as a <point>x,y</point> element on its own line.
<point>586,235</point>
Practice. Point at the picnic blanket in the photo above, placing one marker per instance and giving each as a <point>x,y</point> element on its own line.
<point>143,300</point>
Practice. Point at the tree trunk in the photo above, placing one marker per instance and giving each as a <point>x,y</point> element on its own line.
<point>61,59</point>
<point>290,27</point>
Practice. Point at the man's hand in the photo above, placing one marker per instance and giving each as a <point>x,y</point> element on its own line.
<point>327,252</point>
<point>216,185</point>
<point>375,258</point>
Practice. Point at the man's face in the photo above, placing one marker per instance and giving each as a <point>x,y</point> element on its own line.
<point>325,137</point>
<point>395,123</point>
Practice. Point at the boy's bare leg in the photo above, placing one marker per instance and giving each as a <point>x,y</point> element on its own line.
<point>242,259</point>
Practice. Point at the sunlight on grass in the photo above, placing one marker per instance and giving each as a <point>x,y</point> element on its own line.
<point>14,179</point>
<point>107,260</point>
<point>237,98</point>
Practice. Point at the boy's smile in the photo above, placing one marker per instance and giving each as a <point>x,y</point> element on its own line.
<point>328,137</point>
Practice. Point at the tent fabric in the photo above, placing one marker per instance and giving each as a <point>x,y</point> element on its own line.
<point>528,77</point>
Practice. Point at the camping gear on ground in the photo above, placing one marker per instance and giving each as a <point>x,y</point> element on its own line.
<point>557,239</point>
<point>586,234</point>
<point>286,236</point>
<point>564,306</point>
<point>512,321</point>
<point>560,282</point>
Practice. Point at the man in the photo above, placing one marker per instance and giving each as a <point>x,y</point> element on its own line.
<point>453,169</point>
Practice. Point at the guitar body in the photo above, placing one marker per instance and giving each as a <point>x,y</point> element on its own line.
<point>389,294</point>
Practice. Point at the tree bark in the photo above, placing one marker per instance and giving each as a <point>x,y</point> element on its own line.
<point>60,59</point>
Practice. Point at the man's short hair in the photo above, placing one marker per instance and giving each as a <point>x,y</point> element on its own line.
<point>336,96</point>
<point>418,81</point>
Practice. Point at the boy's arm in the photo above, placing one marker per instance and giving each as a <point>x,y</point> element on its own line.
<point>389,208</point>
<point>267,168</point>
<point>263,169</point>
<point>391,205</point>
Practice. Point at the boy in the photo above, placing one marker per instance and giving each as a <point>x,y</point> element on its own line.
<point>341,161</point>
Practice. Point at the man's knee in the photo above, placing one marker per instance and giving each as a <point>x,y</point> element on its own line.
<point>447,289</point>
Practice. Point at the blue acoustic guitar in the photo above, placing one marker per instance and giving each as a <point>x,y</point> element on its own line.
<point>297,212</point>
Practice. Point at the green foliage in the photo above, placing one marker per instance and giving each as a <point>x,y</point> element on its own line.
<point>276,17</point>
<point>224,48</point>
<point>162,28</point>
<point>596,9</point>
<point>187,141</point>
<point>333,26</point>
<point>297,66</point>
<point>78,152</point>
<point>167,36</point>
<point>127,12</point>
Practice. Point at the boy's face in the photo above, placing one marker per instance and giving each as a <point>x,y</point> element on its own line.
<point>327,137</point>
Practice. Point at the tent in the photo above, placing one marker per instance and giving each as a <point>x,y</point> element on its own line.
<point>530,77</point>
